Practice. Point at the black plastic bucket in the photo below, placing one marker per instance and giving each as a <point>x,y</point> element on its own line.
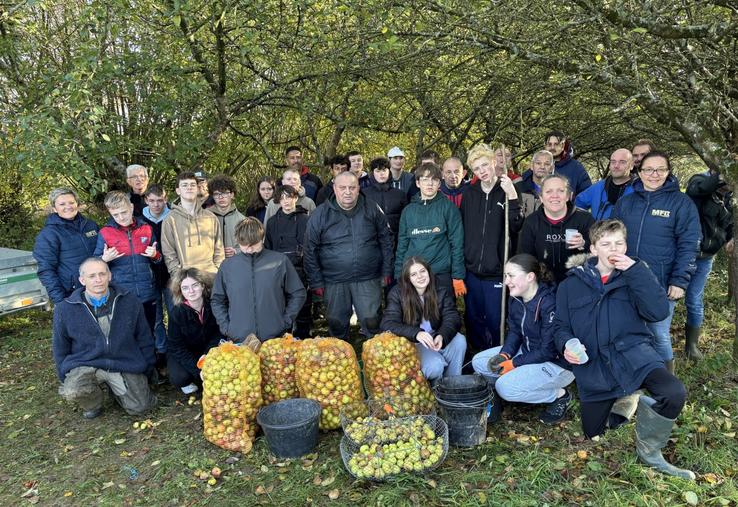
<point>290,426</point>
<point>464,413</point>
<point>462,384</point>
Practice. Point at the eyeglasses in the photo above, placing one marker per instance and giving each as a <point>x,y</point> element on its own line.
<point>661,171</point>
<point>218,195</point>
<point>190,288</point>
<point>138,177</point>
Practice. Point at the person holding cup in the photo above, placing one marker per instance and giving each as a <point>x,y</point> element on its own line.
<point>607,303</point>
<point>528,368</point>
<point>557,230</point>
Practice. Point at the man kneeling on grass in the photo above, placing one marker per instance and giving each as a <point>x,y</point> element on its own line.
<point>101,336</point>
<point>606,304</point>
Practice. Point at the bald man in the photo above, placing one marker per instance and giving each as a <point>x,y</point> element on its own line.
<point>601,197</point>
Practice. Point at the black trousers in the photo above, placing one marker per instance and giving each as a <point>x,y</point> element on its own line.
<point>668,391</point>
<point>178,375</point>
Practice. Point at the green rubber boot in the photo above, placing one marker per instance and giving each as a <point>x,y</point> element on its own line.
<point>652,433</point>
<point>692,336</point>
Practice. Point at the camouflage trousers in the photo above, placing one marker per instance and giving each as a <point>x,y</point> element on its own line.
<point>83,385</point>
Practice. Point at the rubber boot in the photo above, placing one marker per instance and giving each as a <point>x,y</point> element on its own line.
<point>625,408</point>
<point>670,366</point>
<point>692,336</point>
<point>652,434</point>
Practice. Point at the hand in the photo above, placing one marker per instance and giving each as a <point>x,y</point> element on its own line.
<point>110,254</point>
<point>507,367</point>
<point>438,343</point>
<point>319,292</point>
<point>229,252</point>
<point>572,358</point>
<point>576,242</point>
<point>620,261</point>
<point>425,339</point>
<point>675,292</point>
<point>508,186</point>
<point>459,287</point>
<point>387,281</point>
<point>495,361</point>
<point>729,247</point>
<point>150,251</point>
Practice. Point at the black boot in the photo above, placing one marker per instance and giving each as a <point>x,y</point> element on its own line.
<point>692,336</point>
<point>495,413</point>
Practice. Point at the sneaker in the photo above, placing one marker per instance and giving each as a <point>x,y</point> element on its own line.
<point>189,389</point>
<point>92,414</point>
<point>556,410</point>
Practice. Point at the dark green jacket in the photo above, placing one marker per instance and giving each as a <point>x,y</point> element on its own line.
<point>432,230</point>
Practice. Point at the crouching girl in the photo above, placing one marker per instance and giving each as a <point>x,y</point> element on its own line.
<point>528,365</point>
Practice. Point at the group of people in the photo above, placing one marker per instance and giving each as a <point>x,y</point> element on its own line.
<point>603,263</point>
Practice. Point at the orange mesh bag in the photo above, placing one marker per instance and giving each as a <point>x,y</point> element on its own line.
<point>231,396</point>
<point>327,371</point>
<point>278,358</point>
<point>392,370</point>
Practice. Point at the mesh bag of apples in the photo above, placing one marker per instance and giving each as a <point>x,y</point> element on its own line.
<point>278,358</point>
<point>327,372</point>
<point>231,396</point>
<point>392,370</point>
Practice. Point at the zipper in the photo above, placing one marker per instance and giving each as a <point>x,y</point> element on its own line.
<point>640,227</point>
<point>253,295</point>
<point>133,258</point>
<point>484,228</point>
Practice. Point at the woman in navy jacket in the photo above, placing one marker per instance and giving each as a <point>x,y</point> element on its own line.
<point>607,304</point>
<point>193,330</point>
<point>67,239</point>
<point>664,231</point>
<point>528,365</point>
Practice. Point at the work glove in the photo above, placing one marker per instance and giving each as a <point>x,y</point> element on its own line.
<point>459,287</point>
<point>387,281</point>
<point>319,292</point>
<point>252,342</point>
<point>507,367</point>
<point>495,362</point>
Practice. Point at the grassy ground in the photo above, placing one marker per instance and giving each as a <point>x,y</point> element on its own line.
<point>63,459</point>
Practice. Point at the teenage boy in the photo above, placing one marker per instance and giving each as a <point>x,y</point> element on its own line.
<point>401,180</point>
<point>560,147</point>
<point>529,187</point>
<point>336,165</point>
<point>483,215</point>
<point>128,245</point>
<point>290,177</point>
<point>223,191</point>
<point>154,214</point>
<point>606,304</point>
<point>356,161</point>
<point>190,235</point>
<point>431,228</point>
<point>285,233</point>
<point>391,200</point>
<point>257,291</point>
<point>311,182</point>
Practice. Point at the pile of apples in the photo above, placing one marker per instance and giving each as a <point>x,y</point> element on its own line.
<point>231,396</point>
<point>278,359</point>
<point>327,371</point>
<point>392,370</point>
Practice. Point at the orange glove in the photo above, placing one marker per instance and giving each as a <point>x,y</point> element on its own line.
<point>507,367</point>
<point>201,361</point>
<point>459,287</point>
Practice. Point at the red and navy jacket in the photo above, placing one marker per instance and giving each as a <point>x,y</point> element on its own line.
<point>132,271</point>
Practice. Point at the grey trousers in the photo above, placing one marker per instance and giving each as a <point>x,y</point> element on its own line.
<point>365,297</point>
<point>130,390</point>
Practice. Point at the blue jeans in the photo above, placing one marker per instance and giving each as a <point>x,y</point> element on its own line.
<point>482,311</point>
<point>444,363</point>
<point>662,336</point>
<point>695,292</point>
<point>160,331</point>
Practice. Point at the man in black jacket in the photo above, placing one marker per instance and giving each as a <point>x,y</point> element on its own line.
<point>348,255</point>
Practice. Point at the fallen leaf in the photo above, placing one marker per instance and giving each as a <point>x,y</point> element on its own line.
<point>107,485</point>
<point>691,497</point>
<point>711,478</point>
<point>483,459</point>
<point>264,468</point>
<point>317,480</point>
<point>231,460</point>
<point>582,454</point>
<point>432,483</point>
<point>155,463</point>
<point>68,493</point>
<point>328,481</point>
<point>119,441</point>
<point>482,497</point>
<point>260,490</point>
<point>333,494</point>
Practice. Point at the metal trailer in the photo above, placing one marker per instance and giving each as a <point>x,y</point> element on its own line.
<point>20,288</point>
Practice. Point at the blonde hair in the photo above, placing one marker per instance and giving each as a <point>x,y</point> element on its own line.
<point>117,199</point>
<point>480,151</point>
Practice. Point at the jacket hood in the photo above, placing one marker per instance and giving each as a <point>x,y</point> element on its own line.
<point>77,297</point>
<point>55,219</point>
<point>165,213</point>
<point>215,210</point>
<point>670,185</point>
<point>179,211</point>
<point>137,222</point>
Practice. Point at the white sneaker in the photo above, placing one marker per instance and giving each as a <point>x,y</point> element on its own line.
<point>189,389</point>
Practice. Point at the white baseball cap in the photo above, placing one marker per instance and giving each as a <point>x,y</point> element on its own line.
<point>395,152</point>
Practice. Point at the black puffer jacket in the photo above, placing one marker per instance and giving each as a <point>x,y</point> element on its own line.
<point>347,246</point>
<point>286,233</point>
<point>188,338</point>
<point>715,209</point>
<point>447,326</point>
<point>547,242</point>
<point>391,200</point>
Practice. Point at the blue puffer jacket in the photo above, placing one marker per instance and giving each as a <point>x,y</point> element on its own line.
<point>663,230</point>
<point>77,339</point>
<point>60,248</point>
<point>594,199</point>
<point>133,271</point>
<point>531,329</point>
<point>574,171</point>
<point>610,320</point>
